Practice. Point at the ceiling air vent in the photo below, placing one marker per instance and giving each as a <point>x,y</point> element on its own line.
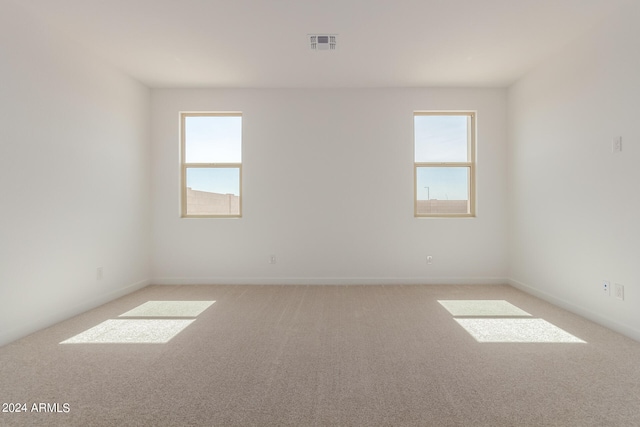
<point>322,41</point>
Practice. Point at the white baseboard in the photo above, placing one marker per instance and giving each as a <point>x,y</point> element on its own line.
<point>329,281</point>
<point>66,313</point>
<point>626,330</point>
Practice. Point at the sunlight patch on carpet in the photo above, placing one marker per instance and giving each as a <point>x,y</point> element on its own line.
<point>516,331</point>
<point>169,309</point>
<point>131,331</point>
<point>480,308</point>
<point>148,323</point>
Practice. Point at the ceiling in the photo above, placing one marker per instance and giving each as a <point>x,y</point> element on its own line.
<point>381,43</point>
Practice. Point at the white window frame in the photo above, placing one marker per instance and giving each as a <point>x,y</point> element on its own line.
<point>184,166</point>
<point>470,164</point>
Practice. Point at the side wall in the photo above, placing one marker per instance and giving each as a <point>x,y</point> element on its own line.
<point>74,178</point>
<point>575,205</point>
<point>328,189</point>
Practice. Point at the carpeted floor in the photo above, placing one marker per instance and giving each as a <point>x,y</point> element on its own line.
<point>323,355</point>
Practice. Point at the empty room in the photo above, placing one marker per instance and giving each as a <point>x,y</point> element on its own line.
<point>305,213</point>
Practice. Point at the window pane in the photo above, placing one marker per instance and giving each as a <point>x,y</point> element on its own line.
<point>213,139</point>
<point>441,138</point>
<point>442,190</point>
<point>213,191</point>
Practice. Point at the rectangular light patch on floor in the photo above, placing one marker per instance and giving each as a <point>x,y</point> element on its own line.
<point>482,308</point>
<point>169,309</point>
<point>131,331</point>
<point>516,331</point>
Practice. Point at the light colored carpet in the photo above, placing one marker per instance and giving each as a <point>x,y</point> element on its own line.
<point>324,355</point>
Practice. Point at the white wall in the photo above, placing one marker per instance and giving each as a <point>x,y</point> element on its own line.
<point>575,206</point>
<point>74,178</point>
<point>328,189</point>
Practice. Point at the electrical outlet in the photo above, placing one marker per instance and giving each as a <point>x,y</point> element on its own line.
<point>99,273</point>
<point>429,259</point>
<point>606,287</point>
<point>616,144</point>
<point>272,259</point>
<point>619,290</point>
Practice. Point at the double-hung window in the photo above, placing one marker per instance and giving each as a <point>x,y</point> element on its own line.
<point>211,164</point>
<point>444,163</point>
